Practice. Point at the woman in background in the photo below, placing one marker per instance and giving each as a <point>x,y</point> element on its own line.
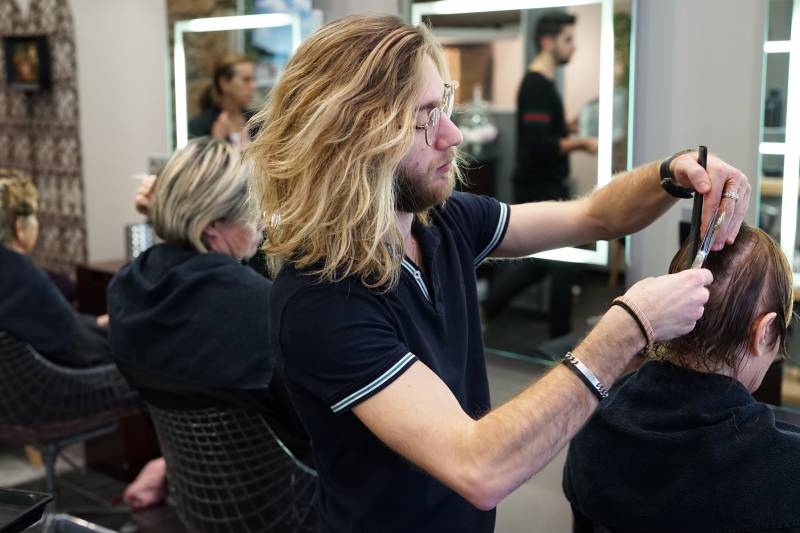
<point>226,102</point>
<point>188,319</point>
<point>32,309</point>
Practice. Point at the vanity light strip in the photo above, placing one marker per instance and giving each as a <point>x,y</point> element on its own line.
<point>772,148</point>
<point>777,47</point>
<point>448,7</point>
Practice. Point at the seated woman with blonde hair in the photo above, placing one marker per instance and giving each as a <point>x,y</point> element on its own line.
<point>188,320</point>
<point>681,444</point>
<point>32,309</point>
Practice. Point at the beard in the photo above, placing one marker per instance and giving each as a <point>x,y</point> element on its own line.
<point>414,193</point>
<point>562,59</point>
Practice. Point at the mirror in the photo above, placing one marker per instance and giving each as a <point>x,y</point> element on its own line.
<point>266,41</point>
<point>779,167</point>
<point>517,96</point>
<point>489,47</point>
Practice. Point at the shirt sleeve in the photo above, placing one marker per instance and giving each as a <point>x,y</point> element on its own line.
<point>482,221</point>
<point>340,345</point>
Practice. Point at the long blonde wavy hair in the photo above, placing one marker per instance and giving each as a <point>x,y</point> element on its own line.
<point>332,135</point>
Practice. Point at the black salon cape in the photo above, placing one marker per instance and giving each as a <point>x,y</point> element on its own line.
<point>672,449</point>
<point>33,310</point>
<point>189,330</point>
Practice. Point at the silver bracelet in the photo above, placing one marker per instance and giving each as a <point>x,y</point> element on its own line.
<point>586,375</point>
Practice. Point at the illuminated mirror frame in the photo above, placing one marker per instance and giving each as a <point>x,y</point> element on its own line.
<point>598,256</point>
<point>790,148</point>
<point>243,22</point>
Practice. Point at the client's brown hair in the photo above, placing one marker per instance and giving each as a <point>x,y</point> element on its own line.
<point>751,278</point>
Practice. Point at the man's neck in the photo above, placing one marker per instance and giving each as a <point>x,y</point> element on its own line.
<point>544,64</point>
<point>404,221</point>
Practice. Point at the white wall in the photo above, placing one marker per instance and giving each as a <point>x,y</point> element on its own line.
<point>121,53</point>
<point>507,56</point>
<point>698,81</point>
<point>582,85</point>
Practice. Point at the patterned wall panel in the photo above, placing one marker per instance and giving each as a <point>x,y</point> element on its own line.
<point>39,133</point>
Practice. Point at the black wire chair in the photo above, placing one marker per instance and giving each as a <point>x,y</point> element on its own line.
<point>51,407</point>
<point>229,473</point>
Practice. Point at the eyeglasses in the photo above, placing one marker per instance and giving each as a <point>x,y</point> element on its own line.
<point>431,125</point>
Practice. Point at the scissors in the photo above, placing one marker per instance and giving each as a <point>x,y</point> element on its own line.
<point>713,228</point>
<point>700,249</point>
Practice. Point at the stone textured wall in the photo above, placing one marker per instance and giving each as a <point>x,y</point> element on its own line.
<point>40,136</point>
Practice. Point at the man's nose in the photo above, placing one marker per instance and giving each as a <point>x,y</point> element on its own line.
<point>448,135</point>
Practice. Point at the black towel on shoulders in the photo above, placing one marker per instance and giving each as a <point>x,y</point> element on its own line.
<point>33,310</point>
<point>190,331</point>
<point>672,449</point>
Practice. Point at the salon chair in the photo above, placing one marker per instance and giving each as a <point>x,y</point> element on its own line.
<point>51,407</point>
<point>228,472</point>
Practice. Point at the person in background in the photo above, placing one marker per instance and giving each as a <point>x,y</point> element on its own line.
<point>681,444</point>
<point>226,102</point>
<point>32,308</point>
<point>187,318</point>
<point>542,169</point>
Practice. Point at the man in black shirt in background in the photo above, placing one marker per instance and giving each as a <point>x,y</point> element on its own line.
<point>542,166</point>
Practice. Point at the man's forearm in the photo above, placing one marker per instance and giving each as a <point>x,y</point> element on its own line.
<point>630,202</point>
<point>553,410</point>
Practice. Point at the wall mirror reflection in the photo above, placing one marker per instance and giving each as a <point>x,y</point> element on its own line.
<point>223,68</point>
<point>543,105</point>
<point>779,164</point>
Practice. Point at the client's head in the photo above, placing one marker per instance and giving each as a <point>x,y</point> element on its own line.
<point>745,323</point>
<point>19,201</point>
<point>202,201</point>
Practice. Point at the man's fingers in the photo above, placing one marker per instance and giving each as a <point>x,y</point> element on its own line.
<point>698,177</point>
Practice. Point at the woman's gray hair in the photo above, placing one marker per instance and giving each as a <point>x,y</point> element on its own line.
<point>203,182</point>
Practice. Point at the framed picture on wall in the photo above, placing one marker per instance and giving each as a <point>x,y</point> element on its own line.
<point>27,62</point>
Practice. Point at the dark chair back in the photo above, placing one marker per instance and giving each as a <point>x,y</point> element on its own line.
<point>41,401</point>
<point>229,473</point>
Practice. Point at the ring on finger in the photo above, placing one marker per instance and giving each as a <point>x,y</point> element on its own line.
<point>733,195</point>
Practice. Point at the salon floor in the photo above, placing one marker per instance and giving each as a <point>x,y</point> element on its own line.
<point>537,507</point>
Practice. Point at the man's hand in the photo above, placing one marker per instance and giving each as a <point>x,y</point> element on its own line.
<point>672,303</point>
<point>718,179</point>
<point>590,145</point>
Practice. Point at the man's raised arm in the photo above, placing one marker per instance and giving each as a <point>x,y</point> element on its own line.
<point>629,203</point>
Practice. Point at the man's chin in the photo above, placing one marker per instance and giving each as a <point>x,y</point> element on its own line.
<point>439,189</point>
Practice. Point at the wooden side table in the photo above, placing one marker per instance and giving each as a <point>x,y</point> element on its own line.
<point>93,279</point>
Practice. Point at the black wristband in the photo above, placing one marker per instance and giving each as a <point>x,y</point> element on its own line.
<point>638,322</point>
<point>668,180</point>
<point>586,376</point>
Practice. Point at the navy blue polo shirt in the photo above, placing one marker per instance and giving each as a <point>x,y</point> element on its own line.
<point>341,343</point>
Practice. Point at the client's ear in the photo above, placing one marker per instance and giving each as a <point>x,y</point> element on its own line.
<point>211,236</point>
<point>763,343</point>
